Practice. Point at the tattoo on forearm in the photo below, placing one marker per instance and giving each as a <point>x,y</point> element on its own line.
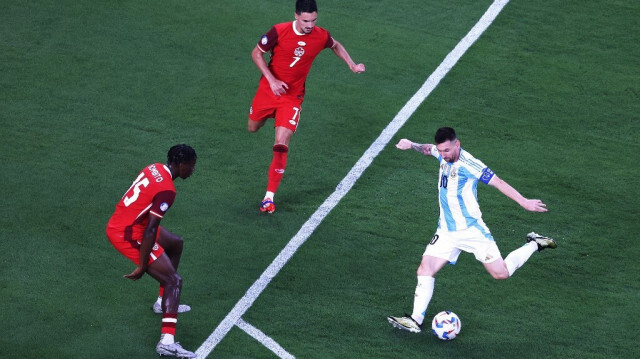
<point>418,147</point>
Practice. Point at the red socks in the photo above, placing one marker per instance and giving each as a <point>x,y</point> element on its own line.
<point>276,169</point>
<point>169,321</point>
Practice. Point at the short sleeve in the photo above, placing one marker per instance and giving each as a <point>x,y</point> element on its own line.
<point>434,152</point>
<point>268,40</point>
<point>161,203</point>
<point>330,41</point>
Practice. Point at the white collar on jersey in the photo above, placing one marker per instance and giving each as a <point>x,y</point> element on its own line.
<point>296,30</point>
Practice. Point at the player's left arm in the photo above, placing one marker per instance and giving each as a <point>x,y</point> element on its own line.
<point>533,205</point>
<point>342,53</point>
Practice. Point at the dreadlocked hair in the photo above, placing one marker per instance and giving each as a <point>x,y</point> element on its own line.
<point>181,154</point>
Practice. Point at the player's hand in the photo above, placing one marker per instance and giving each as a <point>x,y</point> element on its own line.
<point>278,87</point>
<point>136,274</point>
<point>359,68</point>
<point>404,144</point>
<point>535,205</point>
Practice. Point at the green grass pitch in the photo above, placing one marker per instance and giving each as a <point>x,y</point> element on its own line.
<point>548,97</point>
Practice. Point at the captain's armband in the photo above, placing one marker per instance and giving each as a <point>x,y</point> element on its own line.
<point>487,175</point>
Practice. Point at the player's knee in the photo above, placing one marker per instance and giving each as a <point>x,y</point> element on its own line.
<point>425,270</point>
<point>171,282</point>
<point>178,242</point>
<point>175,280</point>
<point>254,126</point>
<point>172,244</point>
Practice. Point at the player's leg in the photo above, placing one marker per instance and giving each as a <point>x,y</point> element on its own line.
<point>427,271</point>
<point>172,244</point>
<point>163,271</point>
<point>440,251</point>
<point>479,241</point>
<point>497,269</point>
<point>503,269</point>
<point>277,167</point>
<point>254,126</point>
<point>286,123</point>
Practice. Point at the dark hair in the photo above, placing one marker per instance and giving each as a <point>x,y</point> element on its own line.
<point>181,154</point>
<point>306,6</point>
<point>445,134</point>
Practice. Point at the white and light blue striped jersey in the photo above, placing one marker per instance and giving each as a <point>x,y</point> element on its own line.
<point>457,189</point>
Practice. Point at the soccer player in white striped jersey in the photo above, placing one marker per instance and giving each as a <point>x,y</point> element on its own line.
<point>460,227</point>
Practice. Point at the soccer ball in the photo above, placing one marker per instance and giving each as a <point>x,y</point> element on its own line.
<point>446,325</point>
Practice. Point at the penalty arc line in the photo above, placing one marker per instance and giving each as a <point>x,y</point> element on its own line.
<point>349,180</point>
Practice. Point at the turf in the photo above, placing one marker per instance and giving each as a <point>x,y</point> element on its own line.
<point>548,98</point>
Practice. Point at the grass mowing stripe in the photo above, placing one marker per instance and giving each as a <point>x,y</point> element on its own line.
<point>267,341</point>
<point>347,183</point>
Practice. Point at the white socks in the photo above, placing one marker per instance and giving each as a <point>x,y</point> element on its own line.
<point>424,291</point>
<point>167,339</point>
<point>269,195</point>
<point>518,257</point>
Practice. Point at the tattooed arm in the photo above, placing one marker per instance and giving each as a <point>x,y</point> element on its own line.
<point>405,144</point>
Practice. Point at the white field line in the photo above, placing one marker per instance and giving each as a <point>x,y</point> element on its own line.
<point>264,339</point>
<point>347,183</point>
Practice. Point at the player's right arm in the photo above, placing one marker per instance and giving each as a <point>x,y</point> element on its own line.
<point>278,87</point>
<point>146,245</point>
<point>405,144</point>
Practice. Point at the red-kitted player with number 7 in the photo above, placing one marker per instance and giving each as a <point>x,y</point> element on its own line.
<point>293,47</point>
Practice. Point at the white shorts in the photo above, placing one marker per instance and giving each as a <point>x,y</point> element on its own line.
<point>477,240</point>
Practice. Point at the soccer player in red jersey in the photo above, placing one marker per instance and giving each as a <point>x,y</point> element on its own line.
<point>293,47</point>
<point>134,230</point>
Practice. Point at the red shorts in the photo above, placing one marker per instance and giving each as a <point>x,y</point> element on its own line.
<point>130,247</point>
<point>285,109</point>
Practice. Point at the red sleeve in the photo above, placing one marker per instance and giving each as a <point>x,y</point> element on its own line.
<point>268,40</point>
<point>330,42</point>
<point>161,203</point>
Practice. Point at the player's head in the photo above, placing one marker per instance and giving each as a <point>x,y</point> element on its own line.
<point>445,134</point>
<point>306,6</point>
<point>306,15</point>
<point>447,144</point>
<point>181,160</point>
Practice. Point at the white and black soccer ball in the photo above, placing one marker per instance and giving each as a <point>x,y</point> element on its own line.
<point>446,325</point>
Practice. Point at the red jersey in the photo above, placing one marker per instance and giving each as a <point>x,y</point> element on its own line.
<point>152,193</point>
<point>292,54</point>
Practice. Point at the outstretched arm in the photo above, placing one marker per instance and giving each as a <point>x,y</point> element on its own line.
<point>405,144</point>
<point>278,87</point>
<point>533,205</point>
<point>342,53</point>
